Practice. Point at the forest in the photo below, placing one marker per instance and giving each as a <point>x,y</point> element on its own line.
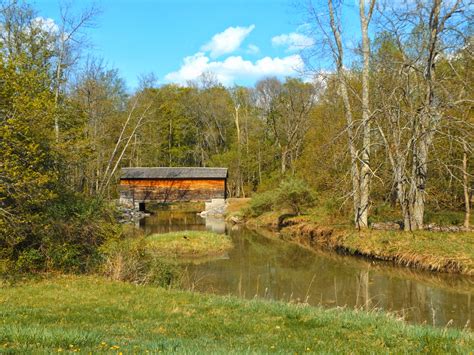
<point>387,125</point>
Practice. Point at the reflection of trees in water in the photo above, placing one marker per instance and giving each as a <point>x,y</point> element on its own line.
<point>163,221</point>
<point>469,311</point>
<point>362,289</point>
<point>288,273</point>
<point>296,256</point>
<point>411,299</point>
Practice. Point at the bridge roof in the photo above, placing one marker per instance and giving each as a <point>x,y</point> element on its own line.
<point>174,173</point>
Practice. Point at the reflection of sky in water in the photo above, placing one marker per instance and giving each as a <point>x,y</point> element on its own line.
<point>268,268</point>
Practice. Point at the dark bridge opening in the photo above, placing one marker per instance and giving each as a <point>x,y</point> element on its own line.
<point>141,206</point>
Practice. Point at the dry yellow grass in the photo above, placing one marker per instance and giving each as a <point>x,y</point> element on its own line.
<point>235,205</point>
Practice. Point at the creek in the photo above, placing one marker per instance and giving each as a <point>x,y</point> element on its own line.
<point>261,265</point>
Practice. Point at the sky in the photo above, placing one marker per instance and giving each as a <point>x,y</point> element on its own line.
<point>240,41</point>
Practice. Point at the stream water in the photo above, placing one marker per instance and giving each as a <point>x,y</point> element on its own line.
<point>263,266</point>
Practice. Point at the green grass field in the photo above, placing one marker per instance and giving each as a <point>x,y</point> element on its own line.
<point>91,314</point>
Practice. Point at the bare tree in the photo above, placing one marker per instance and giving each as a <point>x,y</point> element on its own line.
<point>413,106</point>
<point>127,133</point>
<point>365,171</point>
<point>329,27</point>
<point>70,40</point>
<point>466,186</point>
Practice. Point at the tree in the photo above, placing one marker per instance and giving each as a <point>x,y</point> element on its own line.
<point>69,41</point>
<point>27,174</point>
<point>419,34</point>
<point>285,107</point>
<point>330,27</point>
<point>99,94</point>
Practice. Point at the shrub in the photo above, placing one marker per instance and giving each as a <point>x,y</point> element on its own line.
<point>260,203</point>
<point>295,195</point>
<point>64,236</point>
<point>132,260</point>
<point>444,218</point>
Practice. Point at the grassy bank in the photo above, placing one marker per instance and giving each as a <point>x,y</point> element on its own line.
<point>92,315</point>
<point>435,251</point>
<point>189,244</point>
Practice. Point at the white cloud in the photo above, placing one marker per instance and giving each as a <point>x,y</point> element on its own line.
<point>253,49</point>
<point>235,67</point>
<point>293,41</point>
<point>46,24</point>
<point>228,41</point>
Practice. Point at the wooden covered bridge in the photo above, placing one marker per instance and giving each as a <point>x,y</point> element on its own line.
<point>165,185</point>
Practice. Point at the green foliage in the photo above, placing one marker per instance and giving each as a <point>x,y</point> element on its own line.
<point>80,226</point>
<point>260,203</point>
<point>444,218</point>
<point>295,195</point>
<point>132,260</point>
<point>292,194</point>
<point>44,224</point>
<point>71,232</point>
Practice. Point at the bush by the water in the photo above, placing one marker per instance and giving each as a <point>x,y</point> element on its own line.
<point>155,259</point>
<point>261,203</point>
<point>295,195</point>
<point>292,194</point>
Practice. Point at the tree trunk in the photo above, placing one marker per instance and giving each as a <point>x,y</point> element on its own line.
<point>239,184</point>
<point>419,181</point>
<point>467,204</point>
<point>284,154</point>
<point>365,172</point>
<point>424,128</point>
<point>339,55</point>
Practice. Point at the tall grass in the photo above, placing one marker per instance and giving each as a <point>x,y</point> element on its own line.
<point>132,260</point>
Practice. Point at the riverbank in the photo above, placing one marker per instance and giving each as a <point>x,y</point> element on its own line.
<point>451,252</point>
<point>91,314</point>
<point>433,251</point>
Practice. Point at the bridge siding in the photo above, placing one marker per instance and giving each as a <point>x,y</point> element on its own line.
<point>171,190</point>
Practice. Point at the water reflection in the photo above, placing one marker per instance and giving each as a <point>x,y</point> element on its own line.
<point>172,221</point>
<point>268,268</point>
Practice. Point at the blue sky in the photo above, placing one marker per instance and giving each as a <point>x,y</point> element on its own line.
<point>238,40</point>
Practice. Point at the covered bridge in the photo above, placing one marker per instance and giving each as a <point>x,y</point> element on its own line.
<point>140,185</point>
